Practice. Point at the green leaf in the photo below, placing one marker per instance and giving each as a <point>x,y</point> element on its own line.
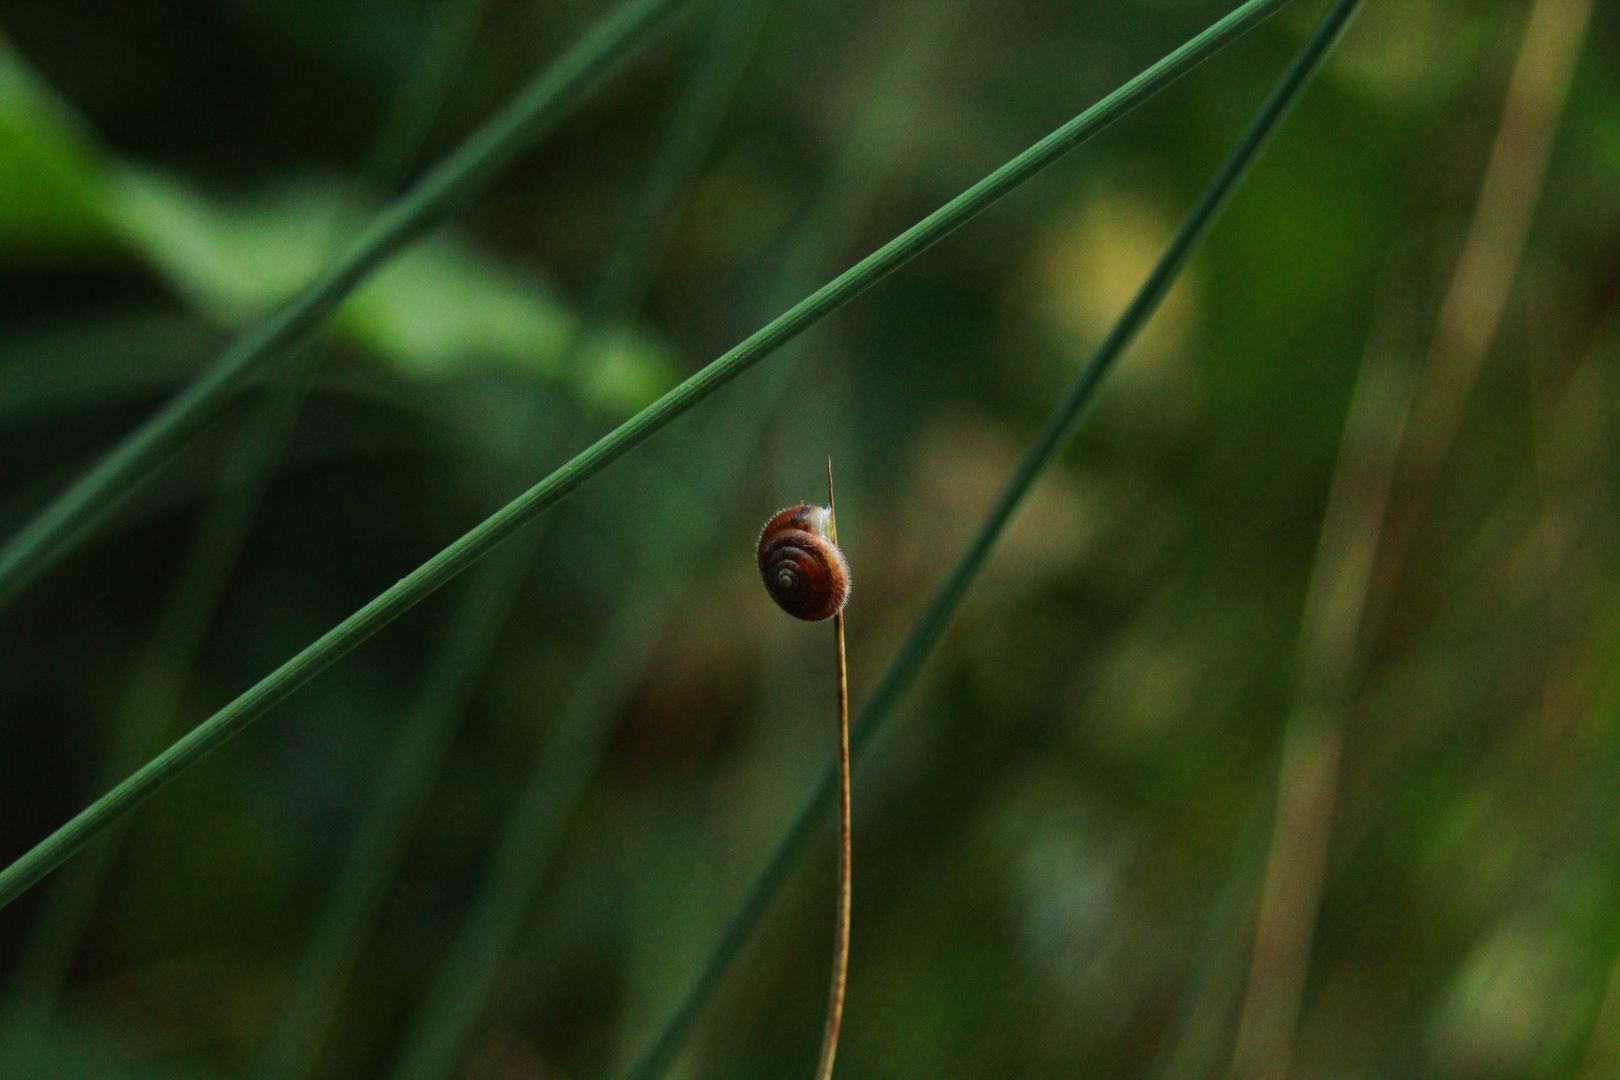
<point>50,170</point>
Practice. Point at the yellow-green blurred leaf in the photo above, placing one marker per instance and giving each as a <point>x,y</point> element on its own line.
<point>50,170</point>
<point>440,308</point>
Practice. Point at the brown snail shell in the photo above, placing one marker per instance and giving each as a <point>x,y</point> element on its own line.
<point>802,568</point>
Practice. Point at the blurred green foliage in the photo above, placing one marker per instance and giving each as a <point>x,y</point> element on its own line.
<point>1057,852</point>
<point>441,307</point>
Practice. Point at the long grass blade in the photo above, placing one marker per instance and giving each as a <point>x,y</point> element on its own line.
<point>533,113</point>
<point>461,554</point>
<point>375,855</point>
<point>1358,529</point>
<point>1482,281</point>
<point>902,673</point>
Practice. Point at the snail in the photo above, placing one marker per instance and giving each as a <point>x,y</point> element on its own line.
<point>801,565</point>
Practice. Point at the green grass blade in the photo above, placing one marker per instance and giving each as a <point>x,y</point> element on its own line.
<point>538,108</point>
<point>375,855</point>
<point>461,554</point>
<point>902,673</point>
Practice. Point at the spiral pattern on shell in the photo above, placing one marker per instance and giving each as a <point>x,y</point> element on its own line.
<point>802,568</point>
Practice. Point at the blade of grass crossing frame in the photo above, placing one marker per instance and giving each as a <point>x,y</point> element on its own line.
<point>461,554</point>
<point>408,777</point>
<point>69,517</point>
<point>902,673</point>
<point>574,745</point>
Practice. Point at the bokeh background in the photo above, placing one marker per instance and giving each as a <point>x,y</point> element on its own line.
<point>1278,740</point>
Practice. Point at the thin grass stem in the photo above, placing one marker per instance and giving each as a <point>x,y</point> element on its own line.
<point>622,286</point>
<point>1600,1051</point>
<point>1477,295</point>
<point>846,860</point>
<point>1326,673</point>
<point>1358,528</point>
<point>458,556</point>
<point>926,633</point>
<point>1200,1034</point>
<point>74,513</point>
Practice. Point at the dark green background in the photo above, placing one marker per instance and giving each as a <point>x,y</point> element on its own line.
<point>1044,840</point>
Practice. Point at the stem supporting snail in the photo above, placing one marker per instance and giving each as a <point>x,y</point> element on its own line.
<point>808,577</point>
<point>840,967</point>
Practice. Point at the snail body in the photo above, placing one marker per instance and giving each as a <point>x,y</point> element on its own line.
<point>801,565</point>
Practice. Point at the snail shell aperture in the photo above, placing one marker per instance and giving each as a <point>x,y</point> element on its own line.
<point>802,568</point>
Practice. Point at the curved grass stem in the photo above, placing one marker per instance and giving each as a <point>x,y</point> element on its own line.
<point>474,545</point>
<point>840,964</point>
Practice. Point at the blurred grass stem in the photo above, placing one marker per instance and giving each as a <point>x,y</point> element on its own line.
<point>1493,249</point>
<point>1307,776</point>
<point>925,635</point>
<point>73,514</point>
<point>1600,1057</point>
<point>1368,518</point>
<point>437,191</point>
<point>425,86</point>
<point>1199,1041</point>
